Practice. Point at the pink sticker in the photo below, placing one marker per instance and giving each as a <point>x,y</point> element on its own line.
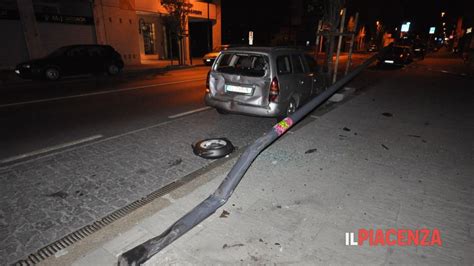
<point>283,126</point>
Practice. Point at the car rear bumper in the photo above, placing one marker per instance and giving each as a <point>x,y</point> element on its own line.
<point>391,62</point>
<point>272,110</point>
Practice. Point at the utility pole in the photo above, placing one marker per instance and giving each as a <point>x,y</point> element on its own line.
<point>341,31</point>
<point>349,57</point>
<point>208,28</point>
<point>319,38</point>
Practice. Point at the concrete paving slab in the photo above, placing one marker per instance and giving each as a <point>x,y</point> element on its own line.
<point>99,256</point>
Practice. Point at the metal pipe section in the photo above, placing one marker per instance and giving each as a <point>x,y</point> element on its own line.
<point>143,252</point>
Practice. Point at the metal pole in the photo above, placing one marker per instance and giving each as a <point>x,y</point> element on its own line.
<point>343,20</point>
<point>318,38</point>
<point>171,46</point>
<point>208,30</point>
<point>146,250</point>
<point>349,57</point>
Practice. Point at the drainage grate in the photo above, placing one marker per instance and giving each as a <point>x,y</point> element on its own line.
<point>87,230</point>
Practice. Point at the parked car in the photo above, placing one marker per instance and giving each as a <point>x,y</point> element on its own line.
<point>209,58</point>
<point>419,50</point>
<point>262,81</point>
<point>72,60</point>
<point>372,48</point>
<point>396,55</point>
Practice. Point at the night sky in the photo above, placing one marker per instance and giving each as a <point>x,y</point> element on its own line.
<point>266,17</point>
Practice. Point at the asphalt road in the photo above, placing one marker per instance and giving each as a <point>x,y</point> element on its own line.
<point>40,117</point>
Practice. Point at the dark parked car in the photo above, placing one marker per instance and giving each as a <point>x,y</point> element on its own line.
<point>419,50</point>
<point>372,48</point>
<point>263,81</point>
<point>396,55</point>
<point>72,60</point>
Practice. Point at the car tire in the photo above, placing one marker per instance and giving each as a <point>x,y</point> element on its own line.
<point>290,109</point>
<point>52,73</point>
<point>214,148</point>
<point>113,69</point>
<point>221,111</point>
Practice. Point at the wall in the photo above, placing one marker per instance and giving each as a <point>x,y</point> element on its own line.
<point>217,26</point>
<point>121,32</point>
<point>199,8</point>
<point>55,35</point>
<point>13,49</point>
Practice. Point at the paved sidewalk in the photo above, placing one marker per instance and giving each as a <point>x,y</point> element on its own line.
<point>397,156</point>
<point>46,198</point>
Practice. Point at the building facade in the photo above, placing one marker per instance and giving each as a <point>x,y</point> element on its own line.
<point>137,29</point>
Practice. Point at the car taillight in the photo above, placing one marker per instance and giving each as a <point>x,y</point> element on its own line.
<point>207,82</point>
<point>274,90</point>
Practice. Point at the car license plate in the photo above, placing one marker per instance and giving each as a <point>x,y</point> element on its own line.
<point>238,89</point>
<point>389,61</point>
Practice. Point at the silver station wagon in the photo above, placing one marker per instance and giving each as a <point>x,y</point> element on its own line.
<point>262,81</point>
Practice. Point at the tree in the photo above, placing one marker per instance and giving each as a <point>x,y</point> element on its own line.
<point>332,9</point>
<point>330,12</point>
<point>176,20</point>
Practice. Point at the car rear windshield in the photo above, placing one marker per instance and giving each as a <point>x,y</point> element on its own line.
<point>252,65</point>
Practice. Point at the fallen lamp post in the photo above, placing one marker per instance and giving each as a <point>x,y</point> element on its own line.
<point>146,250</point>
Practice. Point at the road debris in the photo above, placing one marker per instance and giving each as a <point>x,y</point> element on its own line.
<point>59,194</point>
<point>224,214</point>
<point>232,246</point>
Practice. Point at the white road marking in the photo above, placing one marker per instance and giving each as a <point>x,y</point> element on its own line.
<point>49,149</point>
<point>98,93</point>
<point>189,112</point>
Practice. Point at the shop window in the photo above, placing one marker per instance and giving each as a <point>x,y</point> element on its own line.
<point>148,32</point>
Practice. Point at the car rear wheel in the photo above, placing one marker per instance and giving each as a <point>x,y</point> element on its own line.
<point>113,69</point>
<point>290,109</point>
<point>52,73</point>
<point>221,111</point>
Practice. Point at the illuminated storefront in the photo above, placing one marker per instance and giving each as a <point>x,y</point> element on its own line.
<point>135,28</point>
